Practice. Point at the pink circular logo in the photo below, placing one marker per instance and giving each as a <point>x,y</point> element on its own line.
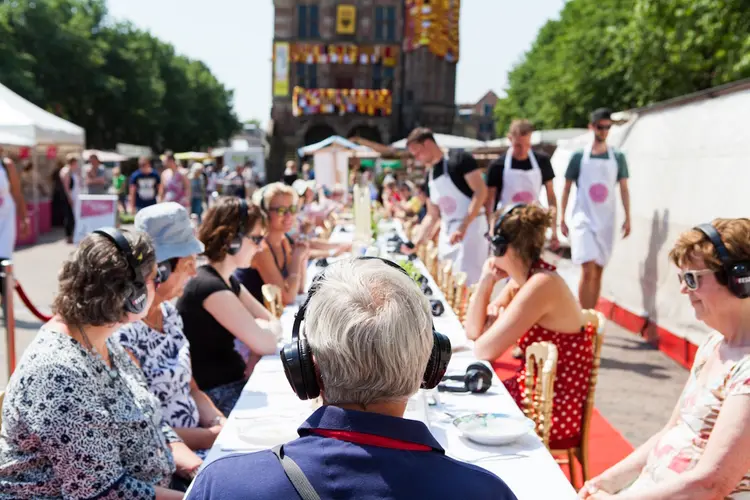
<point>598,193</point>
<point>523,197</point>
<point>447,205</point>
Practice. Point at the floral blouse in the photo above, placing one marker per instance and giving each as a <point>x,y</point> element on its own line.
<point>681,447</point>
<point>165,361</point>
<point>70,430</point>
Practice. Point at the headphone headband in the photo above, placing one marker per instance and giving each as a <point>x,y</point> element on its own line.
<point>499,222</point>
<point>136,299</point>
<point>499,240</point>
<point>241,229</point>
<point>713,235</point>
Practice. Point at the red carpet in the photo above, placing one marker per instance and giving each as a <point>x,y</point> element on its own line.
<point>606,444</point>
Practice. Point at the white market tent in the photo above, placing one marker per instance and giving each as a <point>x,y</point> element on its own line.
<point>446,141</point>
<point>21,118</point>
<point>7,139</point>
<point>334,139</point>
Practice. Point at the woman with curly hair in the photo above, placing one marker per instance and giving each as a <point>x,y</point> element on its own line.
<point>216,309</point>
<point>78,419</point>
<point>535,306</point>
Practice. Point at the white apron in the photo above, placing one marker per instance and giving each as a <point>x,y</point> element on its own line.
<point>468,255</point>
<point>520,186</point>
<point>592,230</point>
<point>7,216</point>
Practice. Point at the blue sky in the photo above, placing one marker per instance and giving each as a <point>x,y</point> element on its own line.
<point>234,38</point>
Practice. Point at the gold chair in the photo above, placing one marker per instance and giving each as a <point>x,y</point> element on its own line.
<point>272,299</point>
<point>541,367</point>
<point>460,291</point>
<point>432,262</point>
<point>445,278</point>
<point>581,452</point>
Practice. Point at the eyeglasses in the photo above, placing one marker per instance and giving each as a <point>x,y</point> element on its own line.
<point>691,278</point>
<point>255,238</point>
<point>282,211</point>
<point>603,127</point>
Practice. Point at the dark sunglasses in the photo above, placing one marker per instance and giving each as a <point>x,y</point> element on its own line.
<point>257,239</point>
<point>281,211</point>
<point>603,127</point>
<point>164,270</point>
<point>691,278</point>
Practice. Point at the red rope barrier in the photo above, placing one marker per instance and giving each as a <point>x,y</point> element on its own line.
<point>36,312</point>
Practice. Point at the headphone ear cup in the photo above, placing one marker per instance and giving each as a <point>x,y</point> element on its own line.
<point>235,245</point>
<point>307,370</point>
<point>439,359</point>
<point>290,361</point>
<point>738,280</point>
<point>135,298</point>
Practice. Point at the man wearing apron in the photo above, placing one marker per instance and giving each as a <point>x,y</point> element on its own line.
<point>518,176</point>
<point>456,194</point>
<point>596,171</point>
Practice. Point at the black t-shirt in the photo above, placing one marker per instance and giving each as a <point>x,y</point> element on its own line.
<point>495,172</point>
<point>459,164</point>
<point>214,360</point>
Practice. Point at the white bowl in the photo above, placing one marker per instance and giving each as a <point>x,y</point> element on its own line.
<point>493,428</point>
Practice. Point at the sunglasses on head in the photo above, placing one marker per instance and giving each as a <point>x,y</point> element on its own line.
<point>281,211</point>
<point>691,278</point>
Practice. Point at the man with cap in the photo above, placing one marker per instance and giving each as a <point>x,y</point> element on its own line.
<point>456,194</point>
<point>596,170</point>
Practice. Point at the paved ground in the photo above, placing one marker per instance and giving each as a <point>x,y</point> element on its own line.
<point>637,390</point>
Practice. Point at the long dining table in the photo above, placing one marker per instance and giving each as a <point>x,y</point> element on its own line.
<point>268,412</point>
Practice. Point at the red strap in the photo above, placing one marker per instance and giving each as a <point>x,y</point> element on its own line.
<point>371,439</point>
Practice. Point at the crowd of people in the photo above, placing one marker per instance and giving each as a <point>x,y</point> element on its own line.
<point>122,393</point>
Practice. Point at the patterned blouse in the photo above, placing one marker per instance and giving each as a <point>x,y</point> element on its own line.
<point>71,431</point>
<point>681,447</point>
<point>165,361</point>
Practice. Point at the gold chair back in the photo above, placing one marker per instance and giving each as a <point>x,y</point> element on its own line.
<point>460,292</point>
<point>541,367</point>
<point>272,299</point>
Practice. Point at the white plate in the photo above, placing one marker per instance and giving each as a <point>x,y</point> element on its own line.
<point>493,428</point>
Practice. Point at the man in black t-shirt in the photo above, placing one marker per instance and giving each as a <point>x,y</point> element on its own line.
<point>456,193</point>
<point>518,175</point>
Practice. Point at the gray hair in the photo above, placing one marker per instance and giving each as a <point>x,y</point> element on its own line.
<point>369,327</point>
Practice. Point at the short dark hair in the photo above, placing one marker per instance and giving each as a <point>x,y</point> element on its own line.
<point>520,128</point>
<point>421,186</point>
<point>221,223</point>
<point>601,114</point>
<point>169,155</point>
<point>420,135</point>
<point>94,282</point>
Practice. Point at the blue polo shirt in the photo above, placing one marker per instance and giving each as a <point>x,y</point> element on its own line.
<point>345,470</point>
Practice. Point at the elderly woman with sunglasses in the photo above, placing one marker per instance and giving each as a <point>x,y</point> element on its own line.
<point>216,309</point>
<point>157,342</point>
<point>78,420</point>
<point>702,452</point>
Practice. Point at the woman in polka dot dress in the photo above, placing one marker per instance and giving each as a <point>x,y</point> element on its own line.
<point>536,305</point>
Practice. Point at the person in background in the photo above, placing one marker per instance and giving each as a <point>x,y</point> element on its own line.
<point>597,171</point>
<point>95,176</point>
<point>457,193</point>
<point>157,342</point>
<point>519,175</point>
<point>78,419</point>
<point>370,335</point>
<point>144,186</point>
<point>216,309</point>
<point>197,189</point>
<point>175,185</point>
<point>280,261</point>
<point>235,182</point>
<point>417,204</point>
<point>308,173</point>
<point>120,185</point>
<point>71,182</point>
<point>290,173</point>
<point>702,452</point>
<point>12,205</point>
<point>535,306</point>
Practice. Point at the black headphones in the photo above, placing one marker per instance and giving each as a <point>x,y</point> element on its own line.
<point>136,295</point>
<point>236,243</point>
<point>736,274</point>
<point>499,240</point>
<point>296,357</point>
<point>477,379</point>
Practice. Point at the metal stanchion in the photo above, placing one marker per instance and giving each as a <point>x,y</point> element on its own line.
<point>6,271</point>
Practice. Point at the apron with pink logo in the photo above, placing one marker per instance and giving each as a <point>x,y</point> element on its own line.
<point>520,186</point>
<point>592,230</point>
<point>468,255</point>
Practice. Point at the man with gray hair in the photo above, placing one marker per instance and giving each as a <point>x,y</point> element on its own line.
<point>367,347</point>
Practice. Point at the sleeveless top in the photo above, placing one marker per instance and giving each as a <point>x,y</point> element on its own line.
<point>174,189</point>
<point>575,356</point>
<point>251,279</point>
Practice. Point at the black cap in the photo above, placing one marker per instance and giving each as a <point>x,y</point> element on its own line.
<point>601,114</point>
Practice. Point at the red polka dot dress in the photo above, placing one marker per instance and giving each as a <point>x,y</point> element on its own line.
<point>575,355</point>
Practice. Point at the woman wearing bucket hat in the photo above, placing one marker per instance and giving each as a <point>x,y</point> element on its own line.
<point>157,342</point>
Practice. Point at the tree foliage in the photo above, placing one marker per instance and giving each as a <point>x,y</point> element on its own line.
<point>118,82</point>
<point>625,54</point>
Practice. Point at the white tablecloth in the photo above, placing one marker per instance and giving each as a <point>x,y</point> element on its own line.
<point>268,413</point>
